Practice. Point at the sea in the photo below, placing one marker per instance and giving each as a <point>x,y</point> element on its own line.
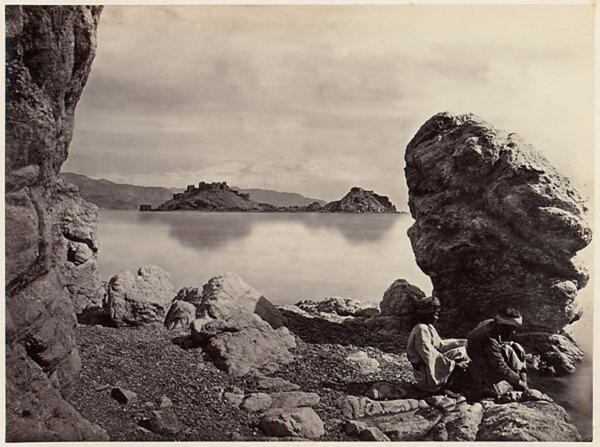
<point>294,256</point>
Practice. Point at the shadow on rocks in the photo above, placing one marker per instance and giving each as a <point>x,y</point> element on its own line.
<point>320,331</point>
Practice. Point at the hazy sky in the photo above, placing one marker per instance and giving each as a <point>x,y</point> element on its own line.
<point>316,99</point>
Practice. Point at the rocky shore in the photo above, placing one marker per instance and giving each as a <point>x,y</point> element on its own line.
<point>222,363</point>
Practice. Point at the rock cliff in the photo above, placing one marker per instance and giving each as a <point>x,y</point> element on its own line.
<point>495,225</point>
<point>359,200</point>
<point>49,52</point>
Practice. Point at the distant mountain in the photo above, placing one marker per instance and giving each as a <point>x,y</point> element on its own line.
<point>213,197</point>
<point>277,198</point>
<point>107,194</point>
<point>359,200</point>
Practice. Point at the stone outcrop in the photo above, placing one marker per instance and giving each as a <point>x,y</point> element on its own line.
<point>49,52</point>
<point>344,307</point>
<point>134,300</point>
<point>227,295</point>
<point>495,225</point>
<point>78,251</point>
<point>359,200</point>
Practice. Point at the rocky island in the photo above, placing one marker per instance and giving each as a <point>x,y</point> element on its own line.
<point>134,360</point>
<point>219,197</point>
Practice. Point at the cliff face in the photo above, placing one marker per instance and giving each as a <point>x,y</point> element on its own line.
<point>359,200</point>
<point>496,225</point>
<point>49,52</point>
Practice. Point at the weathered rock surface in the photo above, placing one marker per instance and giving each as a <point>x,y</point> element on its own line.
<point>399,300</point>
<point>256,402</point>
<point>227,295</point>
<point>134,300</point>
<point>78,252</point>
<point>192,295</point>
<point>343,307</point>
<point>363,363</point>
<point>165,422</point>
<point>180,315</point>
<point>243,343</point>
<point>49,52</point>
<point>295,422</point>
<point>559,353</point>
<point>530,421</point>
<point>495,225</point>
<point>359,200</point>
<point>274,384</point>
<point>461,425</point>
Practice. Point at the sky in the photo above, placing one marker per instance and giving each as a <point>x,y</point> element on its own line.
<point>317,99</point>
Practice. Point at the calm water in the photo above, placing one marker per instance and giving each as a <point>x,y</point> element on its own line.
<point>289,257</point>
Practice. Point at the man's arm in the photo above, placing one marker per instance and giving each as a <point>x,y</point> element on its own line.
<point>496,360</point>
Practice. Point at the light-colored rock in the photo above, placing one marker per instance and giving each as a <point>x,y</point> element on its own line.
<point>410,426</point>
<point>354,407</point>
<point>165,402</point>
<point>462,425</point>
<point>495,226</point>
<point>292,399</point>
<point>243,343</point>
<point>134,300</point>
<point>363,363</point>
<point>344,307</point>
<point>234,399</point>
<point>295,422</point>
<point>180,315</point>
<point>227,295</point>
<point>256,402</point>
<point>399,300</point>
<point>529,421</point>
<point>385,391</point>
<point>399,405</point>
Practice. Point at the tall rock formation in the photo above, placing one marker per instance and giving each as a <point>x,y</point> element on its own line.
<point>496,225</point>
<point>49,52</point>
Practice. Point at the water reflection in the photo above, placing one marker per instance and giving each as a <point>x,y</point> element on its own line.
<point>213,231</point>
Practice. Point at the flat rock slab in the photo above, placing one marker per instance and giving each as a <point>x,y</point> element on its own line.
<point>274,384</point>
<point>529,421</point>
<point>354,407</point>
<point>294,399</point>
<point>295,422</point>
<point>256,402</point>
<point>406,426</point>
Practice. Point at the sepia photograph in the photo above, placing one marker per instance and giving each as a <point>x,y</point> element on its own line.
<point>299,223</point>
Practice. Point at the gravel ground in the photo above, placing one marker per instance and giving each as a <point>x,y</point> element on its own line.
<point>147,362</point>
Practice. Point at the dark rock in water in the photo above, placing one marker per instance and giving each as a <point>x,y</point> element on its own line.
<point>399,300</point>
<point>134,300</point>
<point>495,225</point>
<point>49,52</point>
<point>227,295</point>
<point>123,396</point>
<point>180,315</point>
<point>359,200</point>
<point>530,421</point>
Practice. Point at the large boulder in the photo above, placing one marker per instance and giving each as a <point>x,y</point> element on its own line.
<point>49,52</point>
<point>227,295</point>
<point>300,422</point>
<point>399,300</point>
<point>495,225</point>
<point>243,343</point>
<point>529,421</point>
<point>135,300</point>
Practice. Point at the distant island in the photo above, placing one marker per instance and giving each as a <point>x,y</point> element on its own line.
<point>219,197</point>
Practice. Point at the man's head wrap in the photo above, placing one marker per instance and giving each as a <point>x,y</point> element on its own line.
<point>509,317</point>
<point>427,305</point>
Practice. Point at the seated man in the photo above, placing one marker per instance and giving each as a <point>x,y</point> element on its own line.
<point>497,365</point>
<point>434,360</point>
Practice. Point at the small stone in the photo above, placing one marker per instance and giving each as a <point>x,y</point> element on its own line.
<point>123,396</point>
<point>165,422</point>
<point>295,422</point>
<point>149,404</point>
<point>102,387</point>
<point>373,434</point>
<point>423,405</point>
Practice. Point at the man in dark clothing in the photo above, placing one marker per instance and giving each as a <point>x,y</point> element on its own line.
<point>497,365</point>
